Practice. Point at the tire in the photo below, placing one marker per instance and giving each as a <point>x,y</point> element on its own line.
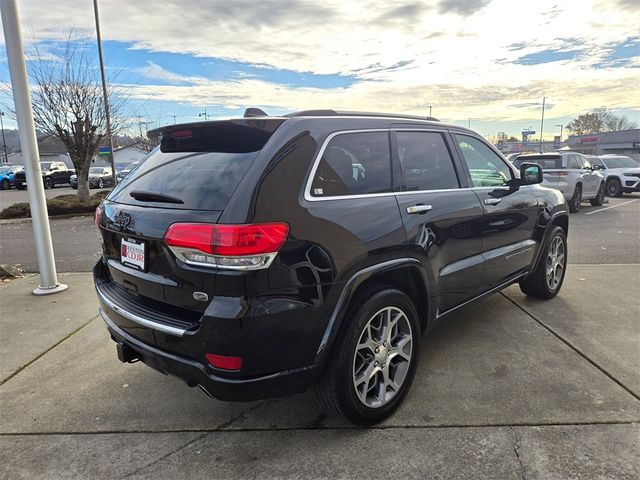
<point>539,283</point>
<point>21,187</point>
<point>5,185</point>
<point>599,200</point>
<point>48,183</point>
<point>354,355</point>
<point>101,183</point>
<point>614,188</point>
<point>576,199</point>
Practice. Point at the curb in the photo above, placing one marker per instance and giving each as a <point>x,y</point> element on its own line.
<point>52,217</point>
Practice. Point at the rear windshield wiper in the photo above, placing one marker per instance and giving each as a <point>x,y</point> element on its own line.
<point>154,197</point>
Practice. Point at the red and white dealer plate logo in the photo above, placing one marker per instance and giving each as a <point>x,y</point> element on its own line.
<point>132,254</point>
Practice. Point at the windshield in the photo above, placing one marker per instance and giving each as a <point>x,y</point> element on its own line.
<point>620,162</point>
<point>4,170</point>
<point>96,170</point>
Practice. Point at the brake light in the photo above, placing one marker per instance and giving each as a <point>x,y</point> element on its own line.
<point>224,362</point>
<point>98,217</point>
<point>240,247</point>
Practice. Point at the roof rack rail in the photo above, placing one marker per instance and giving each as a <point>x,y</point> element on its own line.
<point>335,113</point>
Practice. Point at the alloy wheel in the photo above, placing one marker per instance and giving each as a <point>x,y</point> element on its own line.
<point>382,357</point>
<point>555,263</point>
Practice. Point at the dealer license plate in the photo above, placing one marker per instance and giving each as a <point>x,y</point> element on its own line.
<point>132,254</point>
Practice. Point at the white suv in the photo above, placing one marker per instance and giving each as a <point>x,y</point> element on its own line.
<point>622,173</point>
<point>572,174</point>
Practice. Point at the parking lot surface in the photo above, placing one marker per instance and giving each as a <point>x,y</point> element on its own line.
<point>509,387</point>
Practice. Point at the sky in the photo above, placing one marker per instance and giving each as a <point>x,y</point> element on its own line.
<point>483,63</point>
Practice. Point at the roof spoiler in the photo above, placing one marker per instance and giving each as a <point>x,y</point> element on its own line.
<point>254,112</point>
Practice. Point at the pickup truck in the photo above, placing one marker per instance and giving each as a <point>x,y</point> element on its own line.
<point>53,173</point>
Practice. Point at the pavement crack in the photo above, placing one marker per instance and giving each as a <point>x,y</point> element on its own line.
<point>38,357</point>
<point>167,455</point>
<point>516,450</point>
<point>241,416</point>
<point>571,346</point>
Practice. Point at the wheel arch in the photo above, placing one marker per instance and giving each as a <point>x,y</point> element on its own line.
<point>404,274</point>
<point>560,219</point>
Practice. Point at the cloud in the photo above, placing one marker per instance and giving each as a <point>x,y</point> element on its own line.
<point>467,58</point>
<point>462,7</point>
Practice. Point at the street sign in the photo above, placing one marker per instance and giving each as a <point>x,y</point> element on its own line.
<point>104,150</point>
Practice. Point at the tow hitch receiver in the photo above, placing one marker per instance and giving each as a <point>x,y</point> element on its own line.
<point>126,354</point>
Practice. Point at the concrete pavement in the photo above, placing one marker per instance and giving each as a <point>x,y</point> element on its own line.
<point>506,388</point>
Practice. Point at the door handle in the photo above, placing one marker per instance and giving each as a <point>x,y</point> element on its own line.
<point>492,201</point>
<point>418,209</point>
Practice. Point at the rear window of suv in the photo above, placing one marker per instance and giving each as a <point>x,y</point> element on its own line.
<point>547,162</point>
<point>200,166</point>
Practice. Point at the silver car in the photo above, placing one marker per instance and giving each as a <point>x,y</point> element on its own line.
<point>622,173</point>
<point>572,174</point>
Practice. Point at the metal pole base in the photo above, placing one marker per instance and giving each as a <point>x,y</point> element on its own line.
<point>61,287</point>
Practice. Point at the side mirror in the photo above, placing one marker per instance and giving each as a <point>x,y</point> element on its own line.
<point>597,167</point>
<point>530,174</point>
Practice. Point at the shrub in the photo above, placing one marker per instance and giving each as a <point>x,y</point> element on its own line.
<point>60,205</point>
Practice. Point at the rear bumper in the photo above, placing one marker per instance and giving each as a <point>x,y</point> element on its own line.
<point>195,373</point>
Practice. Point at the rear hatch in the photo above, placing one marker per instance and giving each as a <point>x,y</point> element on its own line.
<point>189,178</point>
<point>551,164</point>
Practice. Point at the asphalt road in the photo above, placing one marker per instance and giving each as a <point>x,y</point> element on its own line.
<point>597,235</point>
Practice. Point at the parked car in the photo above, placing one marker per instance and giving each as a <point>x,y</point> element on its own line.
<point>256,257</point>
<point>123,173</point>
<point>8,175</point>
<point>53,173</point>
<point>572,174</point>
<point>622,173</point>
<point>99,177</point>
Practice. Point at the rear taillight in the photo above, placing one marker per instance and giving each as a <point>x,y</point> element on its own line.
<point>236,247</point>
<point>98,217</point>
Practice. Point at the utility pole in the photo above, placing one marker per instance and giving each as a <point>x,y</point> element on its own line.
<point>203,114</point>
<point>174,118</point>
<point>104,94</point>
<point>4,142</point>
<point>542,122</point>
<point>561,128</point>
<point>429,110</point>
<point>27,132</point>
<point>469,125</point>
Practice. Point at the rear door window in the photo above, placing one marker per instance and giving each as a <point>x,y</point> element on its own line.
<point>354,164</point>
<point>426,162</point>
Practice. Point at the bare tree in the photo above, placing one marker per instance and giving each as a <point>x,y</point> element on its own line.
<point>145,144</point>
<point>600,120</point>
<point>67,103</point>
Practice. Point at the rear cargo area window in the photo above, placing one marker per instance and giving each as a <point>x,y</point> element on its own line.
<point>354,164</point>
<point>197,166</point>
<point>200,181</point>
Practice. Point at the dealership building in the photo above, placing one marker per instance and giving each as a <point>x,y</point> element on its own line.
<point>623,142</point>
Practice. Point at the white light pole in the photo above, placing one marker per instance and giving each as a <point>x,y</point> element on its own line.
<point>105,97</point>
<point>27,132</point>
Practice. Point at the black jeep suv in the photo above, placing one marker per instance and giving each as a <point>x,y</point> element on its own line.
<point>256,257</point>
